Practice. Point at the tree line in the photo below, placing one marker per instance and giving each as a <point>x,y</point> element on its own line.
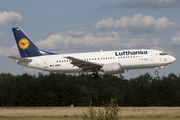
<point>57,89</point>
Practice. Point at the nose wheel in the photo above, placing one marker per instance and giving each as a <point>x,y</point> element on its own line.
<point>156,72</point>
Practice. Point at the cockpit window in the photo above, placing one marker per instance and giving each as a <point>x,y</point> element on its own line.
<point>163,53</point>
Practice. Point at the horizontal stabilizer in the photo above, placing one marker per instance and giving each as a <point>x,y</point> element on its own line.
<point>19,58</point>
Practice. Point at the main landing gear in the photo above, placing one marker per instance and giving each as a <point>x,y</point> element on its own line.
<point>94,76</point>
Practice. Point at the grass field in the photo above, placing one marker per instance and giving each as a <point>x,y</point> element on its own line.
<point>75,113</point>
<point>78,118</point>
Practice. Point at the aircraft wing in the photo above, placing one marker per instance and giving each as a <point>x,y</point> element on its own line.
<point>19,58</point>
<point>85,65</point>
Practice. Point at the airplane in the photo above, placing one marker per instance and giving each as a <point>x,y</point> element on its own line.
<point>110,62</point>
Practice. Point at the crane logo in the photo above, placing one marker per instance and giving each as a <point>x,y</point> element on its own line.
<point>23,43</point>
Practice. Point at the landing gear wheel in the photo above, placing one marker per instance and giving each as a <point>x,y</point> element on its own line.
<point>156,73</point>
<point>94,76</point>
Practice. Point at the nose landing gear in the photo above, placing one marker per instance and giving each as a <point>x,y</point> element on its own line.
<point>156,72</point>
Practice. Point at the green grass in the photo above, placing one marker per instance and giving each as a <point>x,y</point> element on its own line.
<point>79,118</point>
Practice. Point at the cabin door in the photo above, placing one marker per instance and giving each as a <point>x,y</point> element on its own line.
<point>45,63</point>
<point>151,56</point>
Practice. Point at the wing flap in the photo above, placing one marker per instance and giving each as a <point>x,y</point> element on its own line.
<point>85,65</point>
<point>19,58</point>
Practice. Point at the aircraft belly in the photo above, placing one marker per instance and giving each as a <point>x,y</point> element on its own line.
<point>67,70</point>
<point>141,66</point>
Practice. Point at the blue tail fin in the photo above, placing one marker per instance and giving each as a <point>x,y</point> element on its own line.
<point>26,47</point>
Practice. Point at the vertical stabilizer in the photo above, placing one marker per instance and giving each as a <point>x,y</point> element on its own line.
<point>27,48</point>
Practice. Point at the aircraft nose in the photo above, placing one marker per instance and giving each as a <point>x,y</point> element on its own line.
<point>172,59</point>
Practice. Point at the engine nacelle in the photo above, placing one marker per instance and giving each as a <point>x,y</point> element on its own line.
<point>111,68</point>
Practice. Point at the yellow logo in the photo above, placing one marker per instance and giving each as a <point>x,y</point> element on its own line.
<point>23,43</point>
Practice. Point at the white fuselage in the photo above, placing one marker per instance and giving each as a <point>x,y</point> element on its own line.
<point>128,59</point>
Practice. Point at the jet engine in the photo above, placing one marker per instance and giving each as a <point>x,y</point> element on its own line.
<point>111,68</point>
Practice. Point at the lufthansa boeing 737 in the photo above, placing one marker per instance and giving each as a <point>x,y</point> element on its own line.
<point>110,62</point>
